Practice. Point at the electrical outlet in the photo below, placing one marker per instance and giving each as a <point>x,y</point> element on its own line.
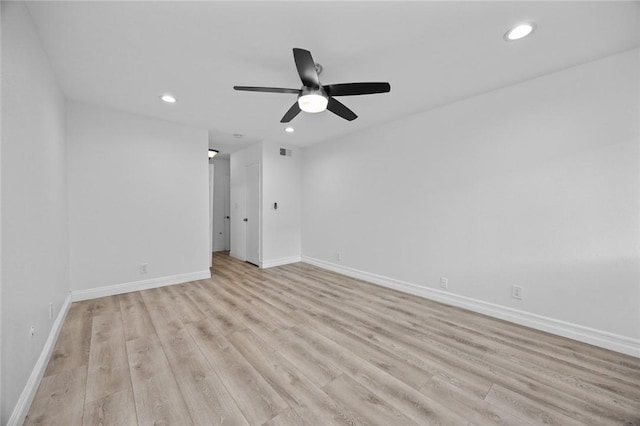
<point>338,255</point>
<point>444,282</point>
<point>32,330</point>
<point>143,268</point>
<point>516,292</point>
<point>50,310</point>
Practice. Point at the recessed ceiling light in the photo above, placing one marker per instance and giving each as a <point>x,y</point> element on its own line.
<point>289,129</point>
<point>519,31</point>
<point>168,98</point>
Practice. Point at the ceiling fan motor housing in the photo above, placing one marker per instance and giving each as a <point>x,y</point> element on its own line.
<point>312,91</point>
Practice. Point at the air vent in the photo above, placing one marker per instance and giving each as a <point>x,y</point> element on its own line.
<point>285,152</point>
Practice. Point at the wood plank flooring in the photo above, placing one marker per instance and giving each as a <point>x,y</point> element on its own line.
<point>297,345</point>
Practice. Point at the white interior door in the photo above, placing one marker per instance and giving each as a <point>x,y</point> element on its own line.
<point>252,217</point>
<point>227,213</point>
<point>211,183</point>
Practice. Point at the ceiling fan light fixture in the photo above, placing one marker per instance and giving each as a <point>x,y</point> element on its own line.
<point>313,102</point>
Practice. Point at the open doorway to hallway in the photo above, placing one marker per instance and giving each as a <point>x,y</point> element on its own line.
<point>221,211</point>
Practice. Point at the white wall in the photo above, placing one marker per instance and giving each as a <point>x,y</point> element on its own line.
<point>537,185</point>
<point>138,193</point>
<point>35,267</point>
<point>239,160</point>
<point>281,183</point>
<point>221,205</point>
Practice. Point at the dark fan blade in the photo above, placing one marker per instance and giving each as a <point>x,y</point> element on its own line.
<point>306,67</point>
<point>350,89</point>
<point>338,108</point>
<point>290,115</point>
<point>267,89</point>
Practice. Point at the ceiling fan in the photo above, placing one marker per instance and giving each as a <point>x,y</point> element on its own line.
<point>315,97</point>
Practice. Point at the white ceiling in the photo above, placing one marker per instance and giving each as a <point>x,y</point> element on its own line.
<point>125,54</point>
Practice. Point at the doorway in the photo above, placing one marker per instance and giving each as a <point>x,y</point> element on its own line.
<point>221,212</point>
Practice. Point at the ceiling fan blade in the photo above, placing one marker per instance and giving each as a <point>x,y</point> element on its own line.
<point>338,108</point>
<point>290,115</point>
<point>350,89</point>
<point>267,89</point>
<point>306,67</point>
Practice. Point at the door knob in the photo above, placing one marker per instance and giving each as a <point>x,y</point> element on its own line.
<point>227,217</point>
<point>245,219</point>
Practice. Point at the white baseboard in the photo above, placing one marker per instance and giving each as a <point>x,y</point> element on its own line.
<point>603,339</point>
<point>280,261</point>
<point>110,290</point>
<point>21,408</point>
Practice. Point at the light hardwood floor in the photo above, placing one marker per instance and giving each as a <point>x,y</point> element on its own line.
<point>297,345</point>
